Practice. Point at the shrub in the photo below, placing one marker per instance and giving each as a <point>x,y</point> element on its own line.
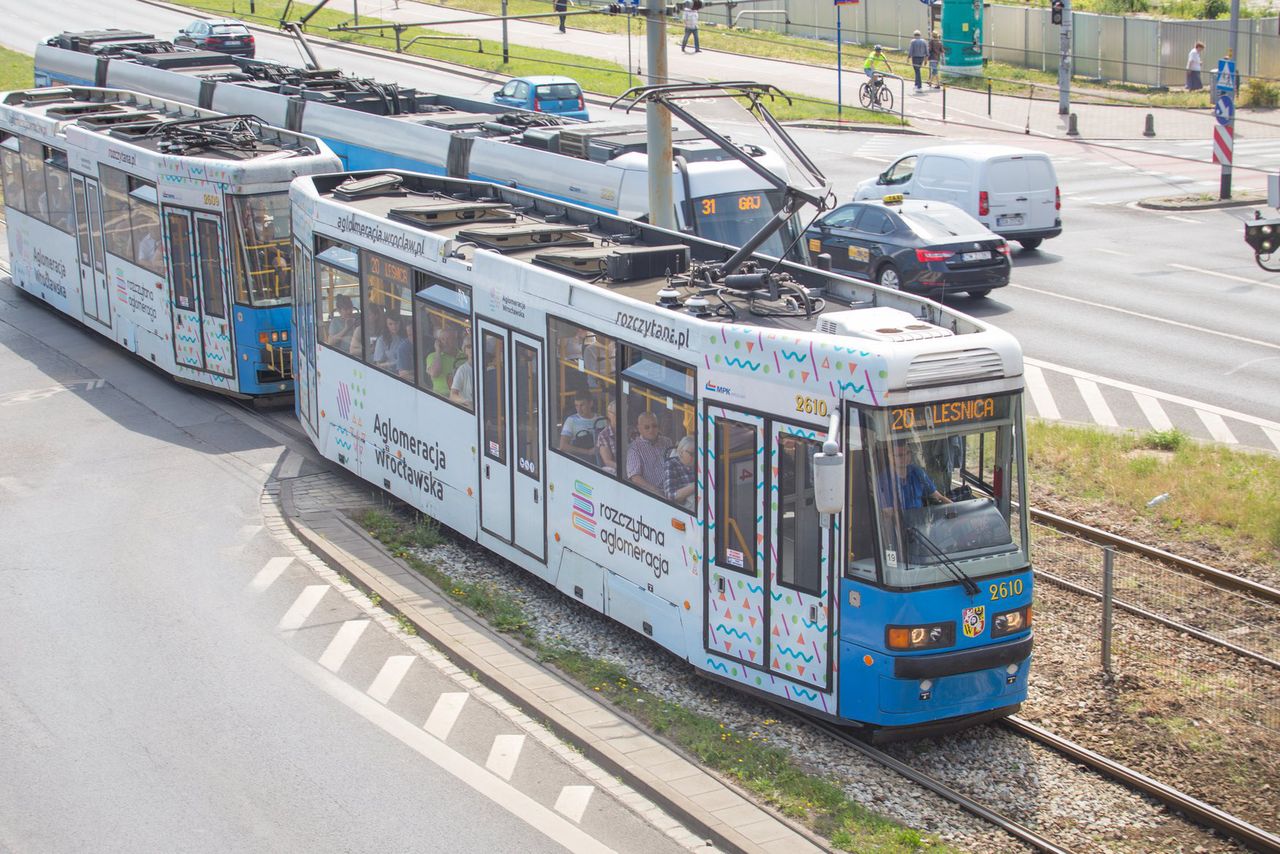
<point>1261,93</point>
<point>1164,440</point>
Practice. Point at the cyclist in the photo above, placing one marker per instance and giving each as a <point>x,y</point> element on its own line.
<point>876,58</point>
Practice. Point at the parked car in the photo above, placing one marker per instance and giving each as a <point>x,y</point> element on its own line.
<point>221,34</point>
<point>928,247</point>
<point>561,96</point>
<point>1012,191</point>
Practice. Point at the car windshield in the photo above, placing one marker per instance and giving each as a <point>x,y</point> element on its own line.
<point>230,30</point>
<point>941,224</point>
<point>559,92</point>
<point>946,481</point>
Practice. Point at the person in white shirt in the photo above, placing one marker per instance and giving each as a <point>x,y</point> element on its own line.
<point>690,28</point>
<point>1193,68</point>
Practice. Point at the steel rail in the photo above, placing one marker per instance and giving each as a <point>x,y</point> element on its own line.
<point>1219,577</point>
<point>1197,810</point>
<point>941,789</point>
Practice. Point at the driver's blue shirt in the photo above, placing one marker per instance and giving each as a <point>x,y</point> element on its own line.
<point>912,489</point>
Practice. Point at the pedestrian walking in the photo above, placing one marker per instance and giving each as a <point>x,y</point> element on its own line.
<point>562,6</point>
<point>935,56</point>
<point>690,27</point>
<point>918,51</point>
<point>1193,68</point>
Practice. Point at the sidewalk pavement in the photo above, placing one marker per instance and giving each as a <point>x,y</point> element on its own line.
<point>965,109</point>
<point>705,803</point>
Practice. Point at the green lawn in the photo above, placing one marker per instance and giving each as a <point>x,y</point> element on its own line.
<point>16,70</point>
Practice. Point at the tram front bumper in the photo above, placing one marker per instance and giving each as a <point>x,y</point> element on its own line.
<point>963,661</point>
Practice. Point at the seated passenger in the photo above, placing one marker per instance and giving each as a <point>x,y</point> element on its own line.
<point>399,349</point>
<point>607,439</point>
<point>579,431</point>
<point>340,321</point>
<point>462,389</point>
<point>680,482</point>
<point>442,362</point>
<point>647,454</point>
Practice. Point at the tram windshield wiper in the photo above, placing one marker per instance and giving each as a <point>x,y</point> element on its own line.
<point>916,535</point>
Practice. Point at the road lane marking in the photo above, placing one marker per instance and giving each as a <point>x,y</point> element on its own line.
<point>1098,409</point>
<point>445,713</point>
<point>1154,412</point>
<point>1040,394</point>
<point>572,802</point>
<point>269,573</point>
<point>1268,344</point>
<point>1217,428</point>
<point>1274,436</point>
<point>1225,276</point>
<point>546,821</point>
<point>1112,252</point>
<point>504,754</point>
<point>389,677</point>
<point>342,644</point>
<point>302,607</point>
<point>1182,219</point>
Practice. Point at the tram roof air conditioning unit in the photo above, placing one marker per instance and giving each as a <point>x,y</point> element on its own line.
<point>879,324</point>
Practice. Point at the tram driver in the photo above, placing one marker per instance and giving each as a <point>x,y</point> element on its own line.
<point>906,485</point>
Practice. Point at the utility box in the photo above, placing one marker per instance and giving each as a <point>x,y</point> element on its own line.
<point>1273,190</point>
<point>961,36</point>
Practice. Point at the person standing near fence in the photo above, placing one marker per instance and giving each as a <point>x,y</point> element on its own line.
<point>562,6</point>
<point>918,50</point>
<point>935,56</point>
<point>690,28</point>
<point>1193,68</point>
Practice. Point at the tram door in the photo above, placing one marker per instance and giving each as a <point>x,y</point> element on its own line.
<point>95,297</point>
<point>512,470</point>
<point>201,329</point>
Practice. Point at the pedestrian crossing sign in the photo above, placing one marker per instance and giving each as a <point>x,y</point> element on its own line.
<point>1226,74</point>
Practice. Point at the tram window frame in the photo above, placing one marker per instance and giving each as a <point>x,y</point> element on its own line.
<point>57,167</point>
<point>787,573</point>
<point>271,257</point>
<point>14,193</point>
<point>131,199</point>
<point>343,279</point>
<point>584,362</point>
<point>730,496</point>
<point>437,300</point>
<point>527,399</point>
<point>181,244</point>
<point>859,516</point>
<point>213,280</point>
<point>493,430</point>
<point>377,286</point>
<point>35,190</point>
<point>651,377</point>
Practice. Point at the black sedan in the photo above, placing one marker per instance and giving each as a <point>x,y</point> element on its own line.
<point>221,34</point>
<point>926,247</point>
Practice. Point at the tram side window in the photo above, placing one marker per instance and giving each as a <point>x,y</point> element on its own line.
<point>58,183</point>
<point>583,405</point>
<point>387,297</point>
<point>131,219</point>
<point>11,172</point>
<point>799,543</point>
<point>442,320</point>
<point>213,288</point>
<point>338,290</point>
<point>660,445</point>
<point>736,468</point>
<point>261,249</point>
<point>180,261</point>
<point>33,178</point>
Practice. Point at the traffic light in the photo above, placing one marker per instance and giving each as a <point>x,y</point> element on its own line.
<point>1055,12</point>
<point>1263,237</point>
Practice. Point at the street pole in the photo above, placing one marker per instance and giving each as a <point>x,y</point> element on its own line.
<point>1224,188</point>
<point>839,68</point>
<point>658,123</point>
<point>506,47</point>
<point>1064,61</point>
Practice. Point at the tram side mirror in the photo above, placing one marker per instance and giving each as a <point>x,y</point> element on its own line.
<point>828,479</point>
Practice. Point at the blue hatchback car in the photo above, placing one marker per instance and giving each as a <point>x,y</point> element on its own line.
<point>560,96</point>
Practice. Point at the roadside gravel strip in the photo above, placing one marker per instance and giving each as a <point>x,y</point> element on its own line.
<point>1027,782</point>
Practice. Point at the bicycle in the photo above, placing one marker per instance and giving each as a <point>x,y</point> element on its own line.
<point>874,93</point>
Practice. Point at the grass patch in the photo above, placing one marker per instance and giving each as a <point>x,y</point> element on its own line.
<point>1017,80</point>
<point>768,772</point>
<point>1111,467</point>
<point>17,70</point>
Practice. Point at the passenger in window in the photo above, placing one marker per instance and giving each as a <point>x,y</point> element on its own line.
<point>442,362</point>
<point>584,349</point>
<point>341,321</point>
<point>906,485</point>
<point>462,389</point>
<point>400,349</point>
<point>379,336</point>
<point>607,439</point>
<point>647,454</point>
<point>579,431</point>
<point>148,249</point>
<point>680,481</point>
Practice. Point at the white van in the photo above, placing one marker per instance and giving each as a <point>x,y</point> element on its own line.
<point>1012,191</point>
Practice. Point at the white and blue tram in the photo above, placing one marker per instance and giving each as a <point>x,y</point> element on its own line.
<point>161,226</point>
<point>808,487</point>
<point>373,125</point>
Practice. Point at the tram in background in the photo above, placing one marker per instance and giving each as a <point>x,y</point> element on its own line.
<point>161,226</point>
<point>808,487</point>
<point>373,125</point>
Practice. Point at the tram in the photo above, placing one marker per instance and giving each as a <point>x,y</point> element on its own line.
<point>373,125</point>
<point>808,487</point>
<point>159,225</point>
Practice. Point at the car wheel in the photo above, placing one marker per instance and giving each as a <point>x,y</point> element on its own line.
<point>888,276</point>
<point>979,293</point>
<point>1031,242</point>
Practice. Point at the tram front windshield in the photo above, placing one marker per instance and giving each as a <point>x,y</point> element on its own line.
<point>734,218</point>
<point>261,249</point>
<point>946,483</point>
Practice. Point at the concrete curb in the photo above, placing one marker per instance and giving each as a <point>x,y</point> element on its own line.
<point>441,621</point>
<point>1174,203</point>
<point>846,127</point>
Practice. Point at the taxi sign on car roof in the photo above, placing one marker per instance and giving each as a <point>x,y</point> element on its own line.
<point>893,199</point>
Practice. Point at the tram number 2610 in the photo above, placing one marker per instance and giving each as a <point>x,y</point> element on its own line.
<point>811,405</point>
<point>1005,589</point>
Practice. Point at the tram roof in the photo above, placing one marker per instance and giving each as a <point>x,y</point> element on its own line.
<point>156,124</point>
<point>623,256</point>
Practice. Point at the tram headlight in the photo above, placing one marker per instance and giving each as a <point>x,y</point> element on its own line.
<point>1011,622</point>
<point>930,636</point>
